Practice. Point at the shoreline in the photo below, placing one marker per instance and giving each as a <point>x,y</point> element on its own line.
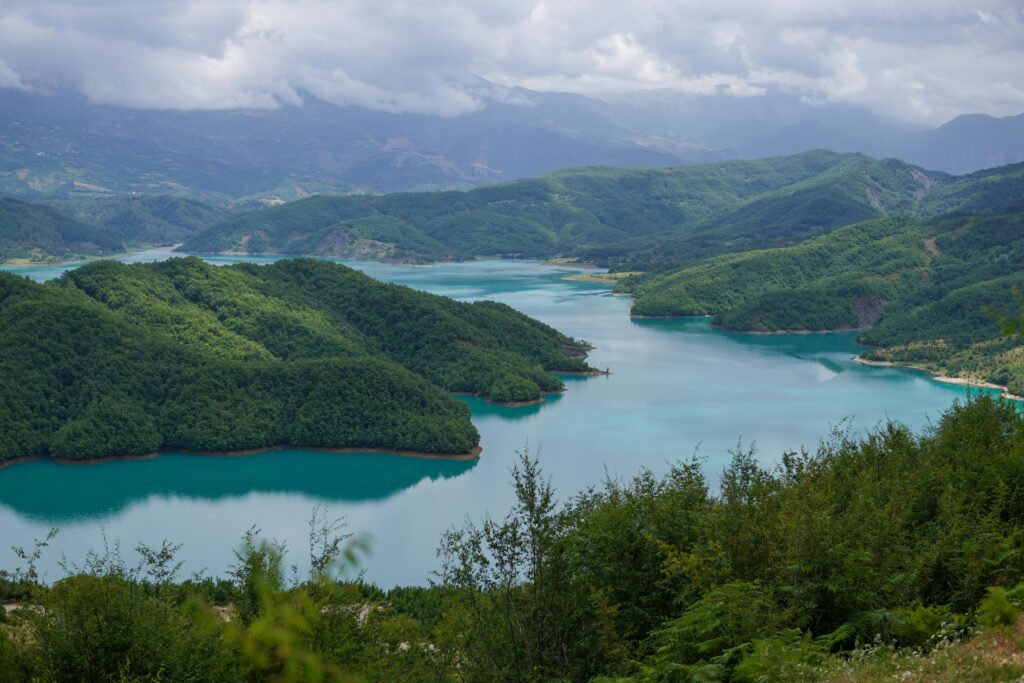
<point>514,404</point>
<point>568,261</point>
<point>767,332</point>
<point>23,263</point>
<point>456,457</point>
<point>938,377</point>
<point>736,331</point>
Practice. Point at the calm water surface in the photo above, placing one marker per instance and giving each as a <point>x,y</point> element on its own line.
<point>677,386</point>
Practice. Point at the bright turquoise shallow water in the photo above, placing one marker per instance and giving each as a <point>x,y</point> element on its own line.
<point>677,385</point>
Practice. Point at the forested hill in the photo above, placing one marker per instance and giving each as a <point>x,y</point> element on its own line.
<point>926,287</point>
<point>33,232</point>
<point>839,280</point>
<point>117,359</point>
<point>602,213</point>
<point>147,219</point>
<point>76,228</point>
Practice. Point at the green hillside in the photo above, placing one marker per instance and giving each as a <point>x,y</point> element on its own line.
<point>630,219</point>
<point>143,220</point>
<point>994,190</point>
<point>946,325</point>
<point>118,359</point>
<point>855,190</point>
<point>600,213</point>
<point>38,232</point>
<point>926,288</point>
<point>840,280</point>
<point>841,196</point>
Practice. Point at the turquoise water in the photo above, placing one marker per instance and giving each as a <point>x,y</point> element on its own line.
<point>677,386</point>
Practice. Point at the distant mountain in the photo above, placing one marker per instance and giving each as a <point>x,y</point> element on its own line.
<point>39,232</point>
<point>965,144</point>
<point>58,146</point>
<point>968,143</point>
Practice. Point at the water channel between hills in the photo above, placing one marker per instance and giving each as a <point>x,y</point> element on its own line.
<point>676,385</point>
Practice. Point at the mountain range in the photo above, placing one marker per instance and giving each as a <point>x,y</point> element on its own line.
<point>59,146</point>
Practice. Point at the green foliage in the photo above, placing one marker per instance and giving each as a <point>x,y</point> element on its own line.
<point>138,220</point>
<point>839,280</point>
<point>610,215</point>
<point>707,633</point>
<point>928,292</point>
<point>879,539</point>
<point>508,581</point>
<point>787,656</point>
<point>118,360</point>
<point>31,231</point>
<point>919,626</point>
<point>97,625</point>
<point>510,388</point>
<point>859,558</point>
<point>108,427</point>
<point>996,611</point>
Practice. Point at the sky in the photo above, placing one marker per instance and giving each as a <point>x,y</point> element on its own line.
<point>914,61</point>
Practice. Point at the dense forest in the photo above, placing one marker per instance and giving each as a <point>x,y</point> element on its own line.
<point>607,214</point>
<point>882,556</point>
<point>136,220</point>
<point>630,219</point>
<point>117,359</point>
<point>650,220</point>
<point>840,280</point>
<point>72,229</point>
<point>28,231</point>
<point>814,241</point>
<point>928,289</point>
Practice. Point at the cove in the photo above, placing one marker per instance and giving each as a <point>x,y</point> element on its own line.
<point>678,386</point>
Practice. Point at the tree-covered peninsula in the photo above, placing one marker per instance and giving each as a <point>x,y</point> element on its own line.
<point>926,282</point>
<point>926,290</point>
<point>117,359</point>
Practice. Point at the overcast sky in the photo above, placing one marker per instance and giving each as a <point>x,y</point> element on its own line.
<point>921,61</point>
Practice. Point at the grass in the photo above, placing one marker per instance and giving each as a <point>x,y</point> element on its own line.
<point>607,278</point>
<point>987,657</point>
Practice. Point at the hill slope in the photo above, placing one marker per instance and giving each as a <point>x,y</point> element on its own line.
<point>840,280</point>
<point>39,232</point>
<point>927,286</point>
<point>60,146</point>
<point>115,359</point>
<point>162,220</point>
<point>602,213</point>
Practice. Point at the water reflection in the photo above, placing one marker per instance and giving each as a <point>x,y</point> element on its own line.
<point>46,491</point>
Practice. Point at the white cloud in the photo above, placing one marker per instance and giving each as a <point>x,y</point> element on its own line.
<point>915,60</point>
<point>9,79</point>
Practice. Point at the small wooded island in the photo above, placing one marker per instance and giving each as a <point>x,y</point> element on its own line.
<point>115,359</point>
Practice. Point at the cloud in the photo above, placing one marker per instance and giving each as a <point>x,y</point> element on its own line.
<point>9,79</point>
<point>913,60</point>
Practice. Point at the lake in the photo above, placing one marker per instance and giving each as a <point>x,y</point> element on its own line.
<point>678,386</point>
